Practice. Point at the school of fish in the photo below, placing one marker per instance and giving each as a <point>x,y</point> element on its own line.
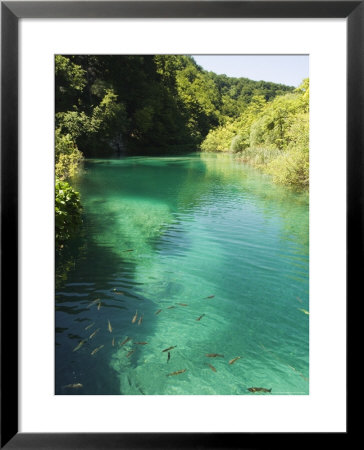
<point>131,350</point>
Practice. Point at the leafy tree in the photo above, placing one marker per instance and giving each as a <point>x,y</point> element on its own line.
<point>156,104</point>
<point>70,81</point>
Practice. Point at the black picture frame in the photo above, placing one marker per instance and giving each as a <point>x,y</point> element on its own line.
<point>11,12</point>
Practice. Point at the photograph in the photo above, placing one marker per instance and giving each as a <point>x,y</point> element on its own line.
<point>181,224</point>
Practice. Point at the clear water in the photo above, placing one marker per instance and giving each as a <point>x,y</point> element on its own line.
<point>198,226</point>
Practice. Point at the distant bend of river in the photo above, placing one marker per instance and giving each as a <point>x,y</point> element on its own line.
<point>208,257</point>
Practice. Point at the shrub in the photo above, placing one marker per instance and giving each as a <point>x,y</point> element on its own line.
<point>291,167</point>
<point>67,211</point>
<point>238,144</point>
<point>68,157</point>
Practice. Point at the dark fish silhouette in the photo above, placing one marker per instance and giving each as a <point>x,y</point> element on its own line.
<point>130,353</point>
<point>214,355</point>
<point>176,373</point>
<point>182,304</point>
<point>210,296</point>
<point>96,350</point>
<point>79,345</point>
<point>94,333</point>
<point>233,360</point>
<point>130,250</point>
<point>199,318</point>
<point>125,341</point>
<point>212,367</point>
<point>169,357</point>
<point>141,343</point>
<point>171,307</point>
<point>169,348</point>
<point>135,317</point>
<point>259,389</point>
<point>159,310</point>
<point>93,302</point>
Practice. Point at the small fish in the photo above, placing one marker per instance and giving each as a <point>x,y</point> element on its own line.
<point>210,296</point>
<point>74,386</point>
<point>182,304</point>
<point>259,389</point>
<point>169,357</point>
<point>96,349</point>
<point>141,343</point>
<point>90,326</point>
<point>93,302</point>
<point>79,345</point>
<point>135,317</point>
<point>113,342</point>
<point>303,310</point>
<point>140,319</point>
<point>117,292</point>
<point>214,355</point>
<point>234,359</point>
<point>109,327</point>
<point>176,373</point>
<point>99,306</point>
<point>159,310</point>
<point>127,339</point>
<point>212,367</point>
<point>171,307</point>
<point>130,353</point>
<point>130,250</point>
<point>169,348</point>
<point>94,333</point>
<point>199,318</point>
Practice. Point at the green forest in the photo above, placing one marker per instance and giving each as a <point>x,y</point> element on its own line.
<point>164,104</point>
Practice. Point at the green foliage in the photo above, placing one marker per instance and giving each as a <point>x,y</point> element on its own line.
<point>68,157</point>
<point>273,136</point>
<point>259,157</point>
<point>167,103</point>
<point>224,137</point>
<point>67,211</point>
<point>272,127</point>
<point>219,139</point>
<point>291,167</point>
<point>149,104</point>
<point>70,81</point>
<point>238,143</point>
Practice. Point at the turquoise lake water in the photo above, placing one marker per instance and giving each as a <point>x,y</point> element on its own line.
<point>197,237</point>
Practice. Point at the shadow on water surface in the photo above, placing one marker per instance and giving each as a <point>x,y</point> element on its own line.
<point>95,272</point>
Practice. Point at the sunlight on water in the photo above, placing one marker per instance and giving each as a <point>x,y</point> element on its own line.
<point>211,258</point>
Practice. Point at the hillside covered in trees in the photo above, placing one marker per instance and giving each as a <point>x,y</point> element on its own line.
<point>143,105</point>
<point>109,105</point>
